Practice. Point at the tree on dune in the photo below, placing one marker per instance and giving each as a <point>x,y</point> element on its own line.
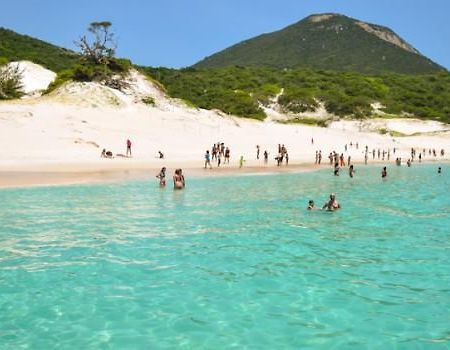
<point>103,47</point>
<point>98,61</point>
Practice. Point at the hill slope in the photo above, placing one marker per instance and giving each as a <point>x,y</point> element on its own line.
<point>18,47</point>
<point>327,41</point>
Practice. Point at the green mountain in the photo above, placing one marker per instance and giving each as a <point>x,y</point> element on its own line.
<point>14,46</point>
<point>327,41</point>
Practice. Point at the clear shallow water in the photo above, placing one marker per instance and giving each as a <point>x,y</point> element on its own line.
<point>232,262</point>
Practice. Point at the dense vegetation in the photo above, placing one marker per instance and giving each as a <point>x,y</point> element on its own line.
<point>16,47</point>
<point>241,90</point>
<point>336,43</point>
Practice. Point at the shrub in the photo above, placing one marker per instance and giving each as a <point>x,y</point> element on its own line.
<point>11,86</point>
<point>148,100</point>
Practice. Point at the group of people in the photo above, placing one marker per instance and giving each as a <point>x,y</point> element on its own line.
<point>282,155</point>
<point>178,179</point>
<point>218,152</point>
<point>109,154</point>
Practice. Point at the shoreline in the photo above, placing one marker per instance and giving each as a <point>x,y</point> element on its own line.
<point>63,174</point>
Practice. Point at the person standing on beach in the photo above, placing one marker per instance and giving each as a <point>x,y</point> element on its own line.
<point>384,172</point>
<point>128,148</point>
<point>365,158</point>
<point>227,156</point>
<point>214,152</point>
<point>219,159</point>
<point>266,157</point>
<point>348,160</point>
<point>257,152</point>
<point>207,159</point>
<point>241,161</point>
<point>320,157</point>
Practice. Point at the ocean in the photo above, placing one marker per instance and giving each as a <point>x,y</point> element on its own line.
<point>229,263</point>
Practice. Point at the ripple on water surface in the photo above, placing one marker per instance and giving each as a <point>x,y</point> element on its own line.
<point>231,262</point>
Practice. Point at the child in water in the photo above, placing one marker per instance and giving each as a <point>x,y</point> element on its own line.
<point>311,205</point>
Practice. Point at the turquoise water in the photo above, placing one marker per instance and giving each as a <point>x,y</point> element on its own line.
<point>231,262</point>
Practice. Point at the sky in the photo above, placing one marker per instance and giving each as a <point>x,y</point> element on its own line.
<point>178,33</point>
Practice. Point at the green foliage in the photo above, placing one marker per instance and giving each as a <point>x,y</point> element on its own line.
<point>298,99</point>
<point>16,47</point>
<point>336,43</point>
<point>10,82</point>
<point>61,78</point>
<point>308,121</point>
<point>85,72</point>
<point>241,90</point>
<point>148,100</point>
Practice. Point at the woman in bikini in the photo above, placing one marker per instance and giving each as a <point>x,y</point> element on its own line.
<point>162,177</point>
<point>178,180</point>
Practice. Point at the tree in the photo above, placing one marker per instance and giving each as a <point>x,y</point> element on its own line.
<point>103,47</point>
<point>11,82</point>
<point>98,61</point>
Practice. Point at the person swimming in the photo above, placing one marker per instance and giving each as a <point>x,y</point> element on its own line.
<point>332,204</point>
<point>311,205</point>
<point>439,170</point>
<point>384,172</point>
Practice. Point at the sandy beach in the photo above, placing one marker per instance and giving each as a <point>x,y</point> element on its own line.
<point>58,138</point>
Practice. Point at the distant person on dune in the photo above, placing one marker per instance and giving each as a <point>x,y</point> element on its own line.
<point>128,148</point>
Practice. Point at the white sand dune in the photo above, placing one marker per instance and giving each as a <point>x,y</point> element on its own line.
<point>35,78</point>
